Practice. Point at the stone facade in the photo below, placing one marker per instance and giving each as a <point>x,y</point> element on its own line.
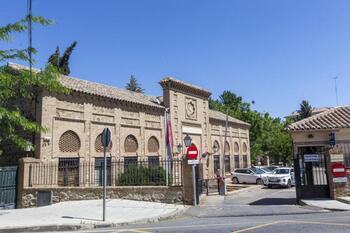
<point>138,124</point>
<point>139,193</point>
<point>74,123</point>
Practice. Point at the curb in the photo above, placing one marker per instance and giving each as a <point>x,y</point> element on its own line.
<point>324,208</point>
<point>91,226</point>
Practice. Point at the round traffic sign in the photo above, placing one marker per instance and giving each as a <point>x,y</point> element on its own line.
<point>338,170</point>
<point>192,152</point>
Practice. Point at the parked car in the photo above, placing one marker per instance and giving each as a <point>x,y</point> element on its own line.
<point>282,176</point>
<point>268,170</point>
<point>247,175</point>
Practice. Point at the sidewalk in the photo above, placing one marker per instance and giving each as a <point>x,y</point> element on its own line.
<point>74,215</point>
<point>327,204</point>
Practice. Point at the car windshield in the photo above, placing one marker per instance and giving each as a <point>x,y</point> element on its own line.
<point>271,169</point>
<point>282,171</point>
<point>265,169</point>
<point>257,170</point>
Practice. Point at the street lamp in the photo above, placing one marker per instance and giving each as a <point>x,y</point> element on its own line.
<point>187,140</point>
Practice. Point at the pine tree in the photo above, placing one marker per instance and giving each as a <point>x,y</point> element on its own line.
<point>133,85</point>
<point>62,63</point>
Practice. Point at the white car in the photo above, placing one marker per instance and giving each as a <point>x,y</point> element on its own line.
<point>282,176</point>
<point>247,175</point>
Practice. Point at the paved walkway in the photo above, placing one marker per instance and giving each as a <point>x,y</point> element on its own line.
<point>253,201</point>
<point>327,204</point>
<point>75,214</point>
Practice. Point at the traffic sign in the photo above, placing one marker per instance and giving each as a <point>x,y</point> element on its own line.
<point>193,162</point>
<point>338,170</point>
<point>192,152</point>
<point>106,137</point>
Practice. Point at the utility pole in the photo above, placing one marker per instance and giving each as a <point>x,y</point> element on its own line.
<point>29,18</point>
<point>336,89</point>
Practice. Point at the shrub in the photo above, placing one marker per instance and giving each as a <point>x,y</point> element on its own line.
<point>138,175</point>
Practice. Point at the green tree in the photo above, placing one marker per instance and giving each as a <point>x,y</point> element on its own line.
<point>267,134</point>
<point>133,85</point>
<point>19,88</point>
<point>62,63</point>
<point>305,110</point>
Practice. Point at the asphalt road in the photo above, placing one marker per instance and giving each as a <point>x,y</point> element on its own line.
<point>253,210</point>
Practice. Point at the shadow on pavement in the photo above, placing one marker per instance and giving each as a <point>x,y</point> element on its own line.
<point>275,201</point>
<point>89,219</point>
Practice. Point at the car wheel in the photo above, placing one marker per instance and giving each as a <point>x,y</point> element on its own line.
<point>235,180</point>
<point>289,184</point>
<point>259,181</point>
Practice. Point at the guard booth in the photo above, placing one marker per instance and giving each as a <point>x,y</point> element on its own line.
<point>321,145</point>
<point>311,172</point>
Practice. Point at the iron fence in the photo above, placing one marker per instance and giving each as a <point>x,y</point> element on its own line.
<point>132,171</point>
<point>8,182</point>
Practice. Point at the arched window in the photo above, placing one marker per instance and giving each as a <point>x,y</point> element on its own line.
<point>130,144</point>
<point>216,147</point>
<point>69,142</point>
<point>227,148</point>
<point>99,146</point>
<point>236,148</point>
<point>153,145</point>
<point>245,147</point>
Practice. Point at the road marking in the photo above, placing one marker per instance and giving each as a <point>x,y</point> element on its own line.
<point>321,223</point>
<point>256,227</point>
<point>135,230</point>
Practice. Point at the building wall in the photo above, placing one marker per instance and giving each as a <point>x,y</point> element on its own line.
<point>203,130</point>
<point>87,116</point>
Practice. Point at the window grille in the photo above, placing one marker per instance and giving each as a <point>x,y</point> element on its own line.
<point>68,172</point>
<point>236,148</point>
<point>69,142</point>
<point>130,144</point>
<point>153,145</point>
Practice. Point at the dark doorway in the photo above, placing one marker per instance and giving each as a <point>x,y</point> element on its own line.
<point>311,173</point>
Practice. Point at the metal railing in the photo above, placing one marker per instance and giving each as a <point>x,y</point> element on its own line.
<point>69,172</point>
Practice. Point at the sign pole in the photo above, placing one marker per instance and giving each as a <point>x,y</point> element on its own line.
<point>194,184</point>
<point>104,183</point>
<point>106,140</point>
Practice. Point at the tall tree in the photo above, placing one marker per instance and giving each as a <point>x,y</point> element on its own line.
<point>133,85</point>
<point>305,110</point>
<point>19,88</point>
<point>62,63</point>
<point>267,134</point>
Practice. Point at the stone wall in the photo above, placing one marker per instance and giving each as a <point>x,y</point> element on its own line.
<point>28,197</point>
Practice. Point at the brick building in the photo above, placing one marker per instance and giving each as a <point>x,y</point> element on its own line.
<point>74,123</point>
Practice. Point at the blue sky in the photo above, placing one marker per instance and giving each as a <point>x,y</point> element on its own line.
<point>275,52</point>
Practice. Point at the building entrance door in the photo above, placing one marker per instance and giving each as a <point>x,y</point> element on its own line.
<point>311,173</point>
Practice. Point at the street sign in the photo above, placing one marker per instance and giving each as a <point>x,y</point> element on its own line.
<point>337,157</point>
<point>192,152</point>
<point>340,180</point>
<point>106,137</point>
<point>338,170</point>
<point>193,162</point>
<point>312,158</point>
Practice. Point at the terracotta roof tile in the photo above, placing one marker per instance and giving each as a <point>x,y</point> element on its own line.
<point>334,118</point>
<point>222,116</point>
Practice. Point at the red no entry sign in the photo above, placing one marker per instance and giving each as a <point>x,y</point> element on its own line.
<point>338,170</point>
<point>192,152</point>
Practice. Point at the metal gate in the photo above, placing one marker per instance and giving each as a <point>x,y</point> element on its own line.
<point>311,173</point>
<point>8,185</point>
